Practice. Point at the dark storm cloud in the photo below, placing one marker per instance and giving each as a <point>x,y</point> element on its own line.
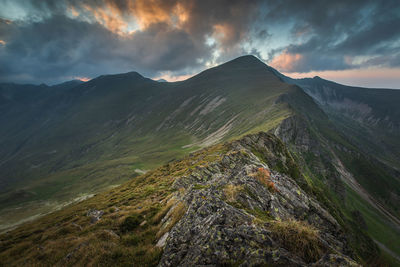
<point>337,32</point>
<point>53,44</point>
<point>57,40</point>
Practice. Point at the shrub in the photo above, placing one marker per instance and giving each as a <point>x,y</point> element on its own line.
<point>264,176</point>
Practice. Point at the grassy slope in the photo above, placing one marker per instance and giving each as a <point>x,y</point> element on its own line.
<point>255,114</point>
<point>68,238</point>
<point>49,240</point>
<point>91,136</point>
<point>321,176</point>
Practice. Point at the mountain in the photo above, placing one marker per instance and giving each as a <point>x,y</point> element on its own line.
<point>85,138</point>
<point>237,192</point>
<point>223,205</point>
<point>372,116</point>
<point>370,119</point>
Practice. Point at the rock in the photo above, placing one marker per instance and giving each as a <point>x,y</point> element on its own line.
<point>161,242</point>
<point>334,260</point>
<point>230,212</point>
<point>94,215</point>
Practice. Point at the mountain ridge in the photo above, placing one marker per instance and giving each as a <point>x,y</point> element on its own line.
<point>114,128</point>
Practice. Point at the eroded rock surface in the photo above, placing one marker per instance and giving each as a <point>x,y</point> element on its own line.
<point>234,218</point>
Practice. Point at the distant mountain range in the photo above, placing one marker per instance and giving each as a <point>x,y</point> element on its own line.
<point>337,145</point>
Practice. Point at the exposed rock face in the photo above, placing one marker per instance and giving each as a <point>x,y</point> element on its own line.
<point>294,130</point>
<point>233,216</point>
<point>295,133</point>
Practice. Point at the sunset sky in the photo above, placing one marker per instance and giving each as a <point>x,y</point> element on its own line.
<point>352,42</point>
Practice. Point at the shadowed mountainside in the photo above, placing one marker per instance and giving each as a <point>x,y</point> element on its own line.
<point>58,146</point>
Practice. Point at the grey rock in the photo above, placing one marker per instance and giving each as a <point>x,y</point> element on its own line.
<point>220,230</point>
<point>94,215</point>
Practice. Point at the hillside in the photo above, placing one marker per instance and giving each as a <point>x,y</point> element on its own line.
<point>370,115</point>
<point>236,141</point>
<point>64,144</point>
<point>369,119</point>
<point>228,204</point>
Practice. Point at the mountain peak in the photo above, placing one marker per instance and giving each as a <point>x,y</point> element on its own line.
<point>132,75</point>
<point>247,60</point>
<point>244,66</point>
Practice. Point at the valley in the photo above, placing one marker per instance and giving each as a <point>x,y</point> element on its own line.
<point>180,155</point>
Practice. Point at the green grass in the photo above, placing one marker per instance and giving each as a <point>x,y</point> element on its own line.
<point>97,133</point>
<point>126,233</point>
<point>378,227</point>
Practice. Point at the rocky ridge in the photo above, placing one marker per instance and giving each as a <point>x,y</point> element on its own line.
<point>234,215</point>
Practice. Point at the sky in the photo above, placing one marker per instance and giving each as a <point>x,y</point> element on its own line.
<point>353,42</point>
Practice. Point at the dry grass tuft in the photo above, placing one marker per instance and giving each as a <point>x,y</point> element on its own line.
<point>300,238</point>
<point>264,177</point>
<point>232,191</point>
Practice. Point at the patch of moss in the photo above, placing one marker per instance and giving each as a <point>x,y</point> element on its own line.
<point>260,214</point>
<point>200,186</point>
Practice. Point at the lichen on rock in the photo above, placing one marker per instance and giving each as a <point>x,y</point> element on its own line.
<point>233,218</point>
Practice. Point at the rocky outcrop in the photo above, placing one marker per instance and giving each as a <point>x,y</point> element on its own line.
<point>239,211</point>
<point>297,135</point>
<point>294,130</point>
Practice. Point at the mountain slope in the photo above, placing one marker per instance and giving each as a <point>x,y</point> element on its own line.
<point>221,205</point>
<point>371,115</point>
<point>369,118</point>
<point>116,127</point>
<point>83,139</point>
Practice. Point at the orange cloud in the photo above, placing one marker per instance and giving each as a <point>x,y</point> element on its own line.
<point>83,79</point>
<point>372,77</point>
<point>285,62</point>
<point>225,33</point>
<point>173,78</point>
<point>148,12</point>
<point>110,17</point>
<point>2,42</point>
<point>73,11</point>
<point>142,13</point>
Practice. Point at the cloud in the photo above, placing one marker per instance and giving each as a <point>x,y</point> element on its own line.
<point>47,41</point>
<point>286,62</point>
<point>88,38</point>
<point>331,32</point>
<point>371,77</point>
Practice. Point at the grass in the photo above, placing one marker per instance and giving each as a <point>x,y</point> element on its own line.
<point>300,238</point>
<point>231,192</point>
<point>60,188</point>
<point>126,233</point>
<point>377,226</point>
<point>95,141</point>
<point>131,222</point>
